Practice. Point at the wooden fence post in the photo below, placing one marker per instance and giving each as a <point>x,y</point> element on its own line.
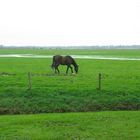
<point>100,78</point>
<point>29,81</point>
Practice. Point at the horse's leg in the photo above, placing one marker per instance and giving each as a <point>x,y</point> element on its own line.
<point>57,69</point>
<point>67,69</point>
<point>71,69</point>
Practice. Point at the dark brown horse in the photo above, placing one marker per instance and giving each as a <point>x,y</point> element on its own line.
<point>64,60</point>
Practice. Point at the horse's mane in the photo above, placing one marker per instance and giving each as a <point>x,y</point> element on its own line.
<point>74,63</point>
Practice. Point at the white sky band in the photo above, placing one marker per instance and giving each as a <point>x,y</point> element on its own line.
<point>69,22</point>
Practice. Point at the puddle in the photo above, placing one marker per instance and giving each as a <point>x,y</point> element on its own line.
<point>74,56</point>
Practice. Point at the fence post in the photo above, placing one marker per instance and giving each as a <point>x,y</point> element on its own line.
<point>29,81</point>
<point>100,77</point>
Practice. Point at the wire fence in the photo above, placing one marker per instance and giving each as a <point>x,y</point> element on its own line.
<point>99,81</point>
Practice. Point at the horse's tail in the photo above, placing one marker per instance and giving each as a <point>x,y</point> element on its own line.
<point>53,63</point>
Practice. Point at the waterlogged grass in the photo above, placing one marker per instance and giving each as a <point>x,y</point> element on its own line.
<point>72,126</point>
<point>110,53</point>
<point>120,84</point>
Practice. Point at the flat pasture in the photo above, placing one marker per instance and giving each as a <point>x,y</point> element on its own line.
<point>120,84</point>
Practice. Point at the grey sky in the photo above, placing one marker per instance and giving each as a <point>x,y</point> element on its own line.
<point>69,22</point>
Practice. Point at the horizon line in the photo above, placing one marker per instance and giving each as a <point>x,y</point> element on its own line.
<point>67,45</point>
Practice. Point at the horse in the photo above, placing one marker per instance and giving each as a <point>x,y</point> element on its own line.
<point>64,60</point>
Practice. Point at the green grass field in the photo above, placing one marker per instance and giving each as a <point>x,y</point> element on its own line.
<point>121,125</point>
<point>120,83</point>
<point>123,53</point>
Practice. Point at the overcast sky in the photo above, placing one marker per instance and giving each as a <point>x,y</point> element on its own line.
<point>69,22</point>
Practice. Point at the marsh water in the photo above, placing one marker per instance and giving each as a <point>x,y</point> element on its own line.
<point>74,56</point>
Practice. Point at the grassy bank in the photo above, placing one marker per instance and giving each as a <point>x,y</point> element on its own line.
<point>78,126</point>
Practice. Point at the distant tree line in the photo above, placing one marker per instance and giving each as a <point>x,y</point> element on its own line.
<point>72,47</point>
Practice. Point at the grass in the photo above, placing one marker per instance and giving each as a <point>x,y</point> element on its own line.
<point>117,53</point>
<point>72,126</point>
<point>120,83</point>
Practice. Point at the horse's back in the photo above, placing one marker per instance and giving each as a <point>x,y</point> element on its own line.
<point>63,60</point>
<point>57,56</point>
<point>57,59</point>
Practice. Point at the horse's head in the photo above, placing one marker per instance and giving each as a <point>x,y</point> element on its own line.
<point>76,68</point>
